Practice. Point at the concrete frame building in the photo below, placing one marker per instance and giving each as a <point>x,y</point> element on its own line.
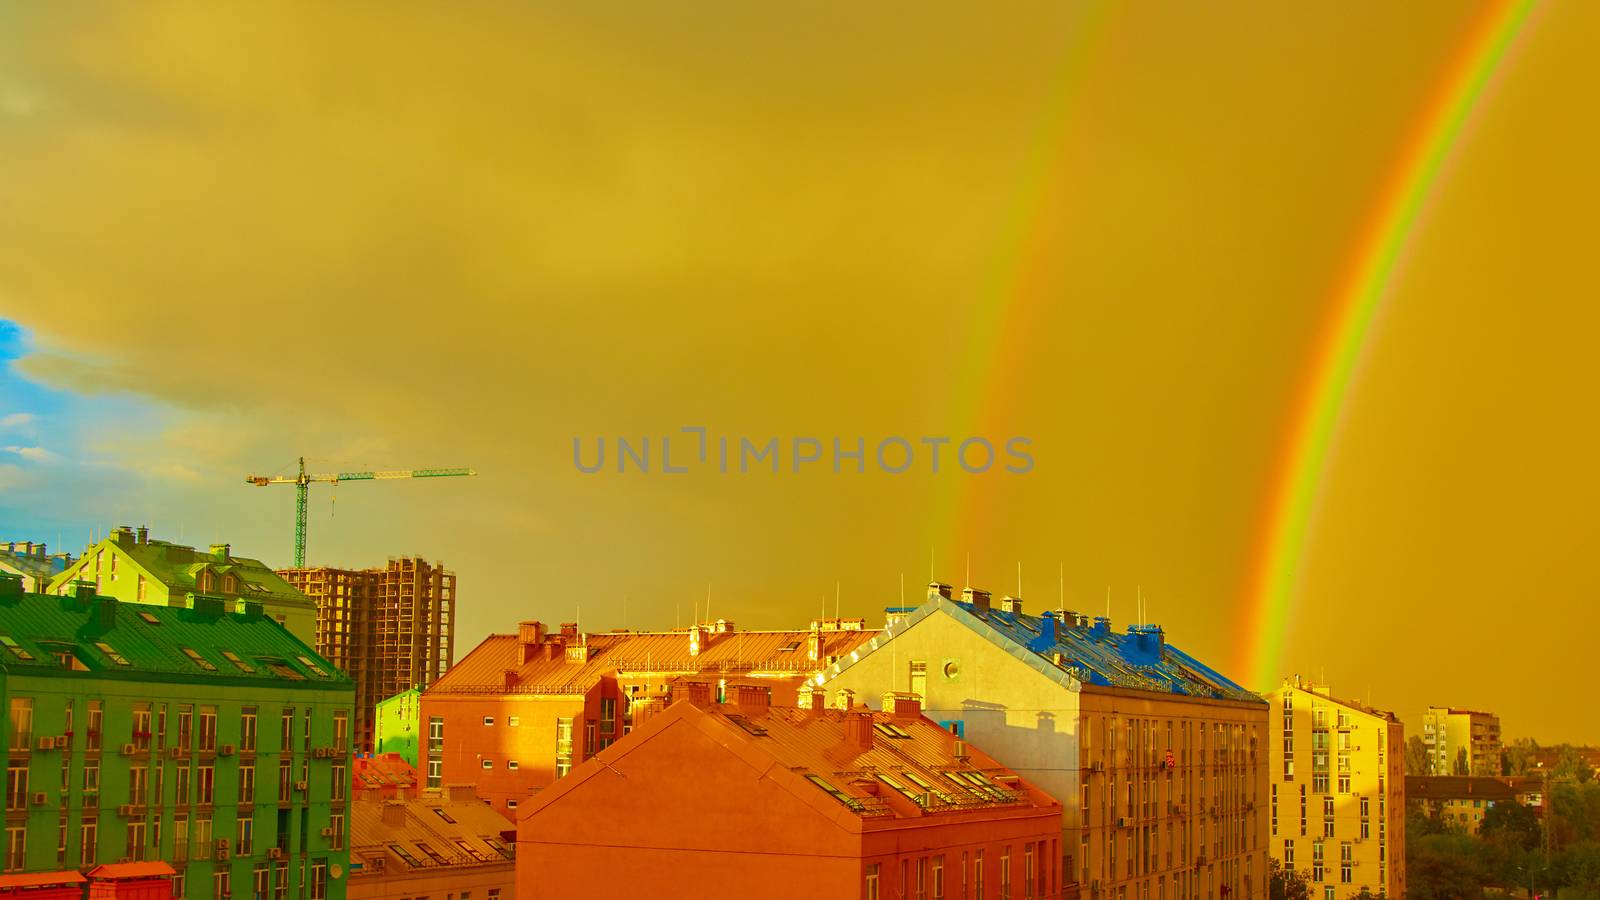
<point>390,629</point>
<point>135,568</point>
<point>744,798</point>
<point>138,732</point>
<point>1451,734</point>
<point>1338,792</point>
<point>1162,758</point>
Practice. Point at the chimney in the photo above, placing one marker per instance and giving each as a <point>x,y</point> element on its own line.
<point>144,534</point>
<point>697,640</point>
<point>937,589</point>
<point>903,705</point>
<point>105,613</point>
<point>857,732</point>
<point>511,679</point>
<point>1011,604</point>
<point>394,813</point>
<point>1102,626</point>
<point>554,647</point>
<point>847,698</point>
<point>752,699</point>
<point>979,599</point>
<point>724,626</point>
<point>221,551</point>
<point>696,692</point>
<point>1048,635</point>
<point>530,632</point>
<point>569,629</point>
<point>642,708</point>
<point>811,699</point>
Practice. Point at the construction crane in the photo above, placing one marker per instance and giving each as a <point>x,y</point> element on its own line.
<point>302,485</point>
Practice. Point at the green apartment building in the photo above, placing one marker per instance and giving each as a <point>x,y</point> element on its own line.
<point>209,738</point>
<point>396,724</point>
<point>134,568</point>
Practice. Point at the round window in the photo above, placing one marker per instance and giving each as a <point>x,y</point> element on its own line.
<point>952,669</point>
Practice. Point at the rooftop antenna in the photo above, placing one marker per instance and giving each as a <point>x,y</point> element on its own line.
<point>930,563</point>
<point>1062,574</point>
<point>708,601</point>
<point>836,601</point>
<point>1108,603</point>
<point>969,569</point>
<point>902,589</point>
<point>1139,606</point>
<point>1019,578</point>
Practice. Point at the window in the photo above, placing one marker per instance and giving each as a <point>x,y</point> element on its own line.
<point>435,772</point>
<point>202,835</point>
<point>435,734</point>
<point>181,777</point>
<point>197,659</point>
<point>185,727</point>
<point>513,721</point>
<point>245,835</point>
<point>511,764</point>
<point>1005,870</point>
<point>21,723</point>
<point>919,677</point>
<point>315,669</point>
<point>208,729</point>
<point>286,736</point>
<point>285,779</point>
<point>16,847</point>
<point>319,880</point>
<point>17,786</point>
<point>89,837</point>
<point>259,882</point>
<point>247,730</point>
<point>977,873</point>
<point>141,726</point>
<point>91,776</point>
<point>205,778</point>
<point>141,596</point>
<point>563,747</point>
<point>238,663</point>
<point>180,836</point>
<point>608,715</point>
<point>340,782</point>
<point>138,784</point>
<point>16,649</point>
<point>922,878</point>
<point>336,823</point>
<point>341,730</point>
<point>1028,874</point>
<point>487,763</point>
<point>872,889</point>
<point>221,884</point>
<point>180,882</point>
<point>136,841</point>
<point>938,878</point>
<point>488,720</point>
<point>280,881</point>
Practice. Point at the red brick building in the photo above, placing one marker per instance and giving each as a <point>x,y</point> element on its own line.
<point>522,710</point>
<point>711,799</point>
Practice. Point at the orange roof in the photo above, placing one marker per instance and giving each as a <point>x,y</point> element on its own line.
<point>911,769</point>
<point>155,869</point>
<point>382,770</point>
<point>427,833</point>
<point>640,652</point>
<point>40,879</point>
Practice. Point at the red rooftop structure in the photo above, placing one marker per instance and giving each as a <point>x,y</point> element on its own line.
<point>709,799</point>
<point>131,881</point>
<point>382,776</point>
<point>65,885</point>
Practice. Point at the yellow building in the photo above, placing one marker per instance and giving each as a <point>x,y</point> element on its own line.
<point>1461,741</point>
<point>136,568</point>
<point>1338,792</point>
<point>1159,762</point>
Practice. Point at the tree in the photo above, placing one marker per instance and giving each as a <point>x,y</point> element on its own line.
<point>1517,757</point>
<point>1570,765</point>
<point>1287,884</point>
<point>1461,762</point>
<point>1445,867</point>
<point>1367,894</point>
<point>1416,756</point>
<point>1518,824</point>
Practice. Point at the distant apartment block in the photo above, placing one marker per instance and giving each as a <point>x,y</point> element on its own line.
<point>1461,741</point>
<point>211,739</point>
<point>522,710</point>
<point>433,847</point>
<point>1338,792</point>
<point>743,798</point>
<point>390,629</point>
<point>33,563</point>
<point>1462,800</point>
<point>1161,761</point>
<point>135,568</point>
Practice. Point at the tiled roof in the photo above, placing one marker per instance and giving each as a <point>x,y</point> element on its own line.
<point>381,771</point>
<point>150,641</point>
<point>1468,787</point>
<point>911,769</point>
<point>434,832</point>
<point>1139,659</point>
<point>732,652</point>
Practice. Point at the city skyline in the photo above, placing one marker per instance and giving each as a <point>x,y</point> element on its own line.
<point>1116,233</point>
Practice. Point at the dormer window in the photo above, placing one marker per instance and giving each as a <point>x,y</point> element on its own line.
<point>206,581</point>
<point>230,584</point>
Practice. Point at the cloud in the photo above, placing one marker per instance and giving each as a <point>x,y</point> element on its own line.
<point>17,420</point>
<point>34,454</point>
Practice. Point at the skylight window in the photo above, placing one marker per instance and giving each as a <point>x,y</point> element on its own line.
<point>747,725</point>
<point>926,785</point>
<point>240,664</point>
<point>443,815</point>
<point>835,793</point>
<point>789,647</point>
<point>197,659</point>
<point>148,618</point>
<point>405,854</point>
<point>919,799</point>
<point>498,846</point>
<point>16,649</point>
<point>889,729</point>
<point>281,669</point>
<point>316,669</point>
<point>110,651</point>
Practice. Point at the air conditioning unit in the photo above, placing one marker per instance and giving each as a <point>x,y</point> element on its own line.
<point>300,786</point>
<point>274,853</point>
<point>130,749</point>
<point>1125,822</point>
<point>223,843</point>
<point>1094,884</point>
<point>40,798</point>
<point>45,743</point>
<point>225,750</point>
<point>176,753</point>
<point>327,832</point>
<point>223,855</point>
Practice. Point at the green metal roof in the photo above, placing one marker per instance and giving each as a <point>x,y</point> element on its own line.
<point>179,567</point>
<point>143,641</point>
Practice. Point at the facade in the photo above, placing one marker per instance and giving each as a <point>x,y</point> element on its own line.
<point>397,723</point>
<point>1161,758</point>
<point>1461,741</point>
<point>793,803</point>
<point>448,846</point>
<point>522,710</point>
<point>1338,804</point>
<point>390,629</point>
<point>215,741</point>
<point>1461,800</point>
<point>32,563</point>
<point>134,568</point>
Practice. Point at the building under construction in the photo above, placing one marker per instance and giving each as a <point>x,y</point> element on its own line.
<point>390,629</point>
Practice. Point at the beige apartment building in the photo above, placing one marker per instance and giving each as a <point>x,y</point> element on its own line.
<point>1461,741</point>
<point>1159,761</point>
<point>1338,792</point>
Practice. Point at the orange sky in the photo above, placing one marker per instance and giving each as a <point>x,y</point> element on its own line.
<point>416,236</point>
